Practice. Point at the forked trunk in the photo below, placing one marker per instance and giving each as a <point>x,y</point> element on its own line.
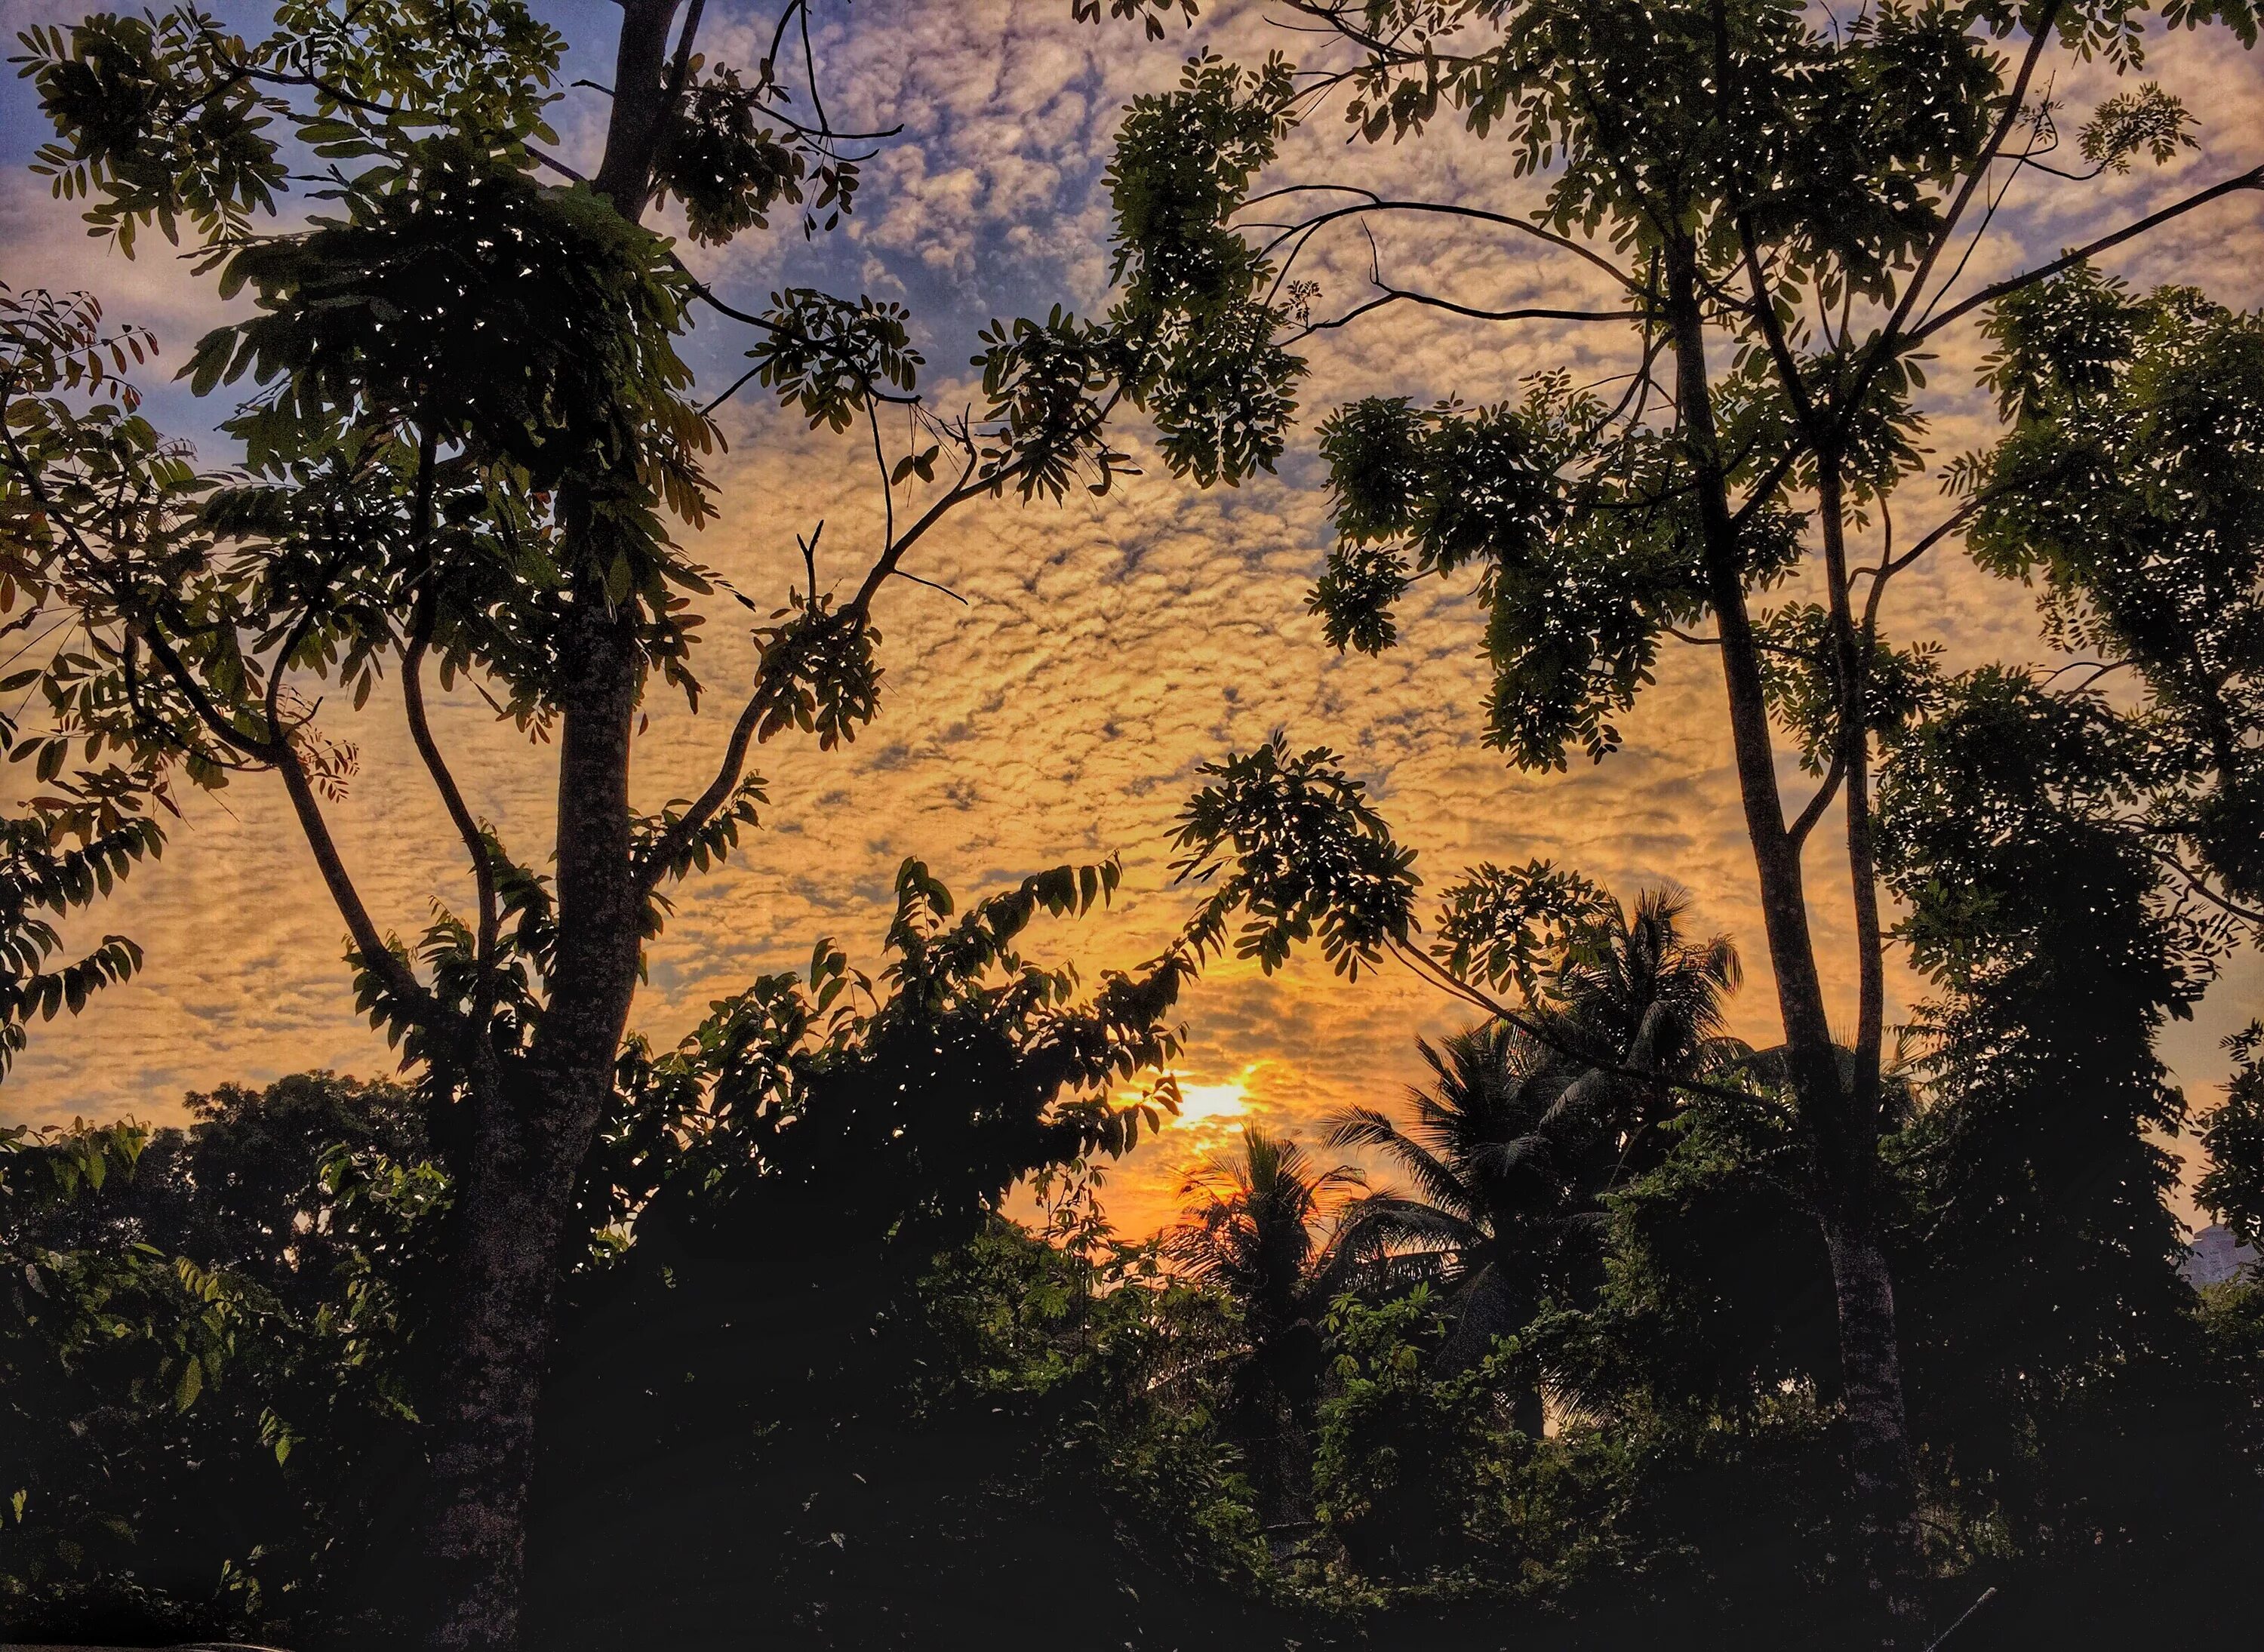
<point>1842,1129</point>
<point>534,1123</point>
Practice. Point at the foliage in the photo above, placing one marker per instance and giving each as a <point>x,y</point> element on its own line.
<point>2233,1185</point>
<point>903,1107</point>
<point>1125,1364</point>
<point>1584,560</point>
<point>2048,1321</point>
<point>1249,1233</point>
<point>1302,853</point>
<point>206,1352</point>
<point>2133,483</point>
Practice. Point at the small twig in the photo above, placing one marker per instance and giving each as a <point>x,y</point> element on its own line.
<point>1987,1595</point>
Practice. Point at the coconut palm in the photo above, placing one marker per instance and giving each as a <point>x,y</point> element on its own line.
<point>1253,1230</point>
<point>1504,1161</point>
<point>1513,1144</point>
<point>1635,994</point>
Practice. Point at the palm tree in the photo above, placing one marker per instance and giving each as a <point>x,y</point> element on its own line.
<point>1514,1143</point>
<point>1634,994</point>
<point>1503,1159</point>
<point>1253,1231</point>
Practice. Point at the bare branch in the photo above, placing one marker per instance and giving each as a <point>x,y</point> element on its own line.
<point>2252,178</point>
<point>1448,210</point>
<point>1797,834</point>
<point>444,781</point>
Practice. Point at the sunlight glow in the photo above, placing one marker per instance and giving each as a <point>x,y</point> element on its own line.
<point>1206,1108</point>
<point>1207,1103</point>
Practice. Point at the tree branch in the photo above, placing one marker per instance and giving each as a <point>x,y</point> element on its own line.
<point>2039,40</point>
<point>1393,295</point>
<point>1443,209</point>
<point>1797,832</point>
<point>444,781</point>
<point>2252,178</point>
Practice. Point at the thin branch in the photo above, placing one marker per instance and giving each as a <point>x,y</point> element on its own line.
<point>1446,209</point>
<point>1393,295</point>
<point>738,385</point>
<point>376,956</point>
<point>962,490</point>
<point>2252,178</point>
<point>444,781</point>
<point>2199,885</point>
<point>1797,832</point>
<point>2039,40</point>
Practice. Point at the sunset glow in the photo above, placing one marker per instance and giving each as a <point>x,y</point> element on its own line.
<point>1212,1107</point>
<point>1098,650</point>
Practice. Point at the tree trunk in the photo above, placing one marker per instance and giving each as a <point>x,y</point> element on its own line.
<point>1871,1391</point>
<point>534,1121</point>
<point>532,1131</point>
<point>1843,1133</point>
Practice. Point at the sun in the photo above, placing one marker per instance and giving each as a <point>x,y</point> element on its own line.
<point>1205,1105</point>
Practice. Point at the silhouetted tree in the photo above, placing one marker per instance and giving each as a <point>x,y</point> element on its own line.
<point>1507,1164</point>
<point>1748,177</point>
<point>469,442</point>
<point>1251,1230</point>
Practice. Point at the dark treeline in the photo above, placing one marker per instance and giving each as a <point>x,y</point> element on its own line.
<point>1616,1329</point>
<point>1558,1368</point>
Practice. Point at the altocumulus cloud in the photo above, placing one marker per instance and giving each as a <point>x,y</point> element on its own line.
<point>1104,648</point>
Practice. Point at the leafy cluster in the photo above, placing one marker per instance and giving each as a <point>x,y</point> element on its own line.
<point>2133,483</point>
<point>1303,854</point>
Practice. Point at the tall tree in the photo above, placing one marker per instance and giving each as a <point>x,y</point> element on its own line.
<point>2051,1315</point>
<point>469,442</point>
<point>1781,208</point>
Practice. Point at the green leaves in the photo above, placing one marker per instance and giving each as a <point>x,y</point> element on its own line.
<point>1510,926</point>
<point>1151,13</point>
<point>905,1105</point>
<point>835,357</point>
<point>535,326</point>
<point>1800,679</point>
<point>1290,842</point>
<point>151,118</point>
<point>2148,118</point>
<point>728,168</point>
<point>819,671</point>
<point>36,876</point>
<point>2134,481</point>
<point>1198,320</point>
<point>2233,1187</point>
<point>1046,384</point>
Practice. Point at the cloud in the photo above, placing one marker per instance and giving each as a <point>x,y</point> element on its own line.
<point>1105,647</point>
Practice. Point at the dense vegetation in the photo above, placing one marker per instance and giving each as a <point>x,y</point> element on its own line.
<point>1559,1371</point>
<point>1616,1329</point>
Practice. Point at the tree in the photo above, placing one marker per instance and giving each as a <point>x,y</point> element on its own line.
<point>1745,177</point>
<point>1505,1173</point>
<point>1515,1143</point>
<point>1249,1232</point>
<point>2233,1185</point>
<point>208,1338</point>
<point>2050,1324</point>
<point>469,442</point>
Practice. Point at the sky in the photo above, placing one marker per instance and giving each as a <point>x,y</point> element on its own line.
<point>1104,648</point>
